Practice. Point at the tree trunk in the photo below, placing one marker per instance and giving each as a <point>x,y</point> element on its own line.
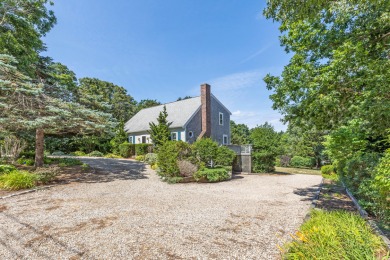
<point>39,147</point>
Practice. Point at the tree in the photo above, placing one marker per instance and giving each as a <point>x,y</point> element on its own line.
<point>106,97</point>
<point>265,142</point>
<point>146,103</point>
<point>25,107</point>
<point>240,133</point>
<point>186,97</point>
<point>159,133</point>
<point>340,70</point>
<point>22,24</point>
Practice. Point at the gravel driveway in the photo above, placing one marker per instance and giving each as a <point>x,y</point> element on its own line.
<point>133,215</point>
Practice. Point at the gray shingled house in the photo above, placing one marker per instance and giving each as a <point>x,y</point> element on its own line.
<point>202,116</point>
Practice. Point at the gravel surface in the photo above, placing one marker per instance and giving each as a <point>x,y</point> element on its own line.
<point>131,214</point>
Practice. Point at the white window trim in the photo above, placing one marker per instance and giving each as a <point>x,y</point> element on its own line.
<point>227,139</point>
<point>174,134</point>
<point>219,118</point>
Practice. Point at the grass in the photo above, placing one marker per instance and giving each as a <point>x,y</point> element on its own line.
<point>335,235</point>
<point>17,180</point>
<point>290,170</point>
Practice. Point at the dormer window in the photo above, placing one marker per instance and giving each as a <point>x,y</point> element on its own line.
<point>220,118</point>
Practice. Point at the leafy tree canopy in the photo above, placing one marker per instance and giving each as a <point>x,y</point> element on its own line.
<point>340,69</point>
<point>106,97</point>
<point>240,133</point>
<point>22,24</point>
<point>146,103</point>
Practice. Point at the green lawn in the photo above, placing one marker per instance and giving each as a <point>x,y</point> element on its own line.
<point>289,170</point>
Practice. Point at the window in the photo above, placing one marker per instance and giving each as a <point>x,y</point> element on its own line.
<point>225,139</point>
<point>220,118</point>
<point>174,136</point>
<point>130,139</point>
<point>191,134</point>
<point>144,139</point>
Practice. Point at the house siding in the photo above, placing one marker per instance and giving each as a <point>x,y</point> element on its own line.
<point>217,130</point>
<point>195,125</point>
<point>137,137</point>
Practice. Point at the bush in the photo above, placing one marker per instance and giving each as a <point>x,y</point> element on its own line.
<point>46,175</point>
<point>85,166</point>
<point>154,166</point>
<point>212,175</point>
<point>112,156</point>
<point>95,154</point>
<point>151,158</point>
<point>263,162</point>
<point>167,159</point>
<point>284,160</point>
<point>302,162</point>
<point>327,169</point>
<point>6,168</point>
<point>142,149</point>
<point>140,158</point>
<point>205,150</point>
<point>334,235</point>
<point>126,150</point>
<point>29,155</point>
<point>186,168</point>
<point>18,180</point>
<point>79,153</point>
<point>25,161</point>
<point>225,156</point>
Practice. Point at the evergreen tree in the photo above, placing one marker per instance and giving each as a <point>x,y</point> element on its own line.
<point>159,133</point>
<point>25,107</point>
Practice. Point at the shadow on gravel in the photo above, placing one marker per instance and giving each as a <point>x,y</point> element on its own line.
<point>107,170</point>
<point>307,193</point>
<point>34,243</point>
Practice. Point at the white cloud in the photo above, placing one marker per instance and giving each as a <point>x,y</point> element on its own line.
<point>254,55</point>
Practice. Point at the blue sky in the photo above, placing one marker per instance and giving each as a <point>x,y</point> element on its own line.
<point>165,49</point>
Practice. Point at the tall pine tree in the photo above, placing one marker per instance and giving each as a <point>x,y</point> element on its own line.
<point>159,133</point>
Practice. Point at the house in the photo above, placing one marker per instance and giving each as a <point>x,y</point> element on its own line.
<point>193,118</point>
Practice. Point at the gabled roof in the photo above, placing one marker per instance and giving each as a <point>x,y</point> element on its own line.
<point>179,113</point>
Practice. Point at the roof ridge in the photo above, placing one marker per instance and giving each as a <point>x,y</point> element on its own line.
<point>170,103</point>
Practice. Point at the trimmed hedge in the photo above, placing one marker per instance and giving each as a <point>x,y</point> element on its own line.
<point>126,150</point>
<point>212,175</point>
<point>142,149</point>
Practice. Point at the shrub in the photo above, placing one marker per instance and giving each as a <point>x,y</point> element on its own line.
<point>302,162</point>
<point>205,150</point>
<point>285,160</point>
<point>373,192</point>
<point>142,149</point>
<point>25,161</point>
<point>225,156</point>
<point>263,162</point>
<point>85,166</point>
<point>112,156</point>
<point>46,175</point>
<point>64,162</point>
<point>172,180</point>
<point>140,158</point>
<point>186,168</point>
<point>79,153</point>
<point>57,153</point>
<point>95,154</point>
<point>327,169</point>
<point>29,154</point>
<point>212,175</point>
<point>126,150</point>
<point>167,159</point>
<point>154,166</point>
<point>151,158</point>
<point>6,168</point>
<point>17,180</point>
<point>334,235</point>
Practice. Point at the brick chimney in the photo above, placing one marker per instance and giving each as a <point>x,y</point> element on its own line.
<point>205,96</point>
